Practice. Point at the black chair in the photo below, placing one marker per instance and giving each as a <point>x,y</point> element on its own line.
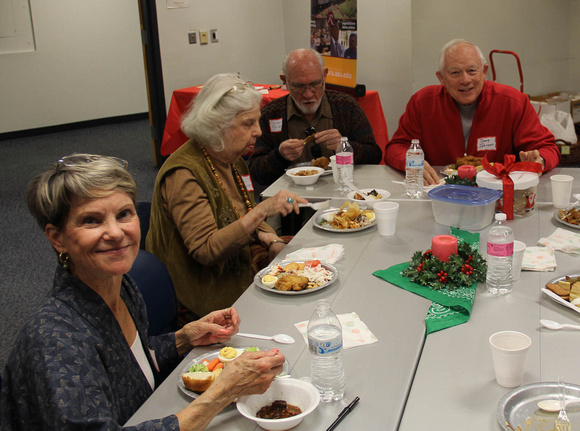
<point>144,213</point>
<point>157,290</point>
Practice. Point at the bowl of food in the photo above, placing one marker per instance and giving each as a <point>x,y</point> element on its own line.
<point>283,406</point>
<point>373,196</point>
<point>305,175</point>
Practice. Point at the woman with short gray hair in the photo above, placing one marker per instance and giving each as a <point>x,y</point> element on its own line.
<point>205,225</point>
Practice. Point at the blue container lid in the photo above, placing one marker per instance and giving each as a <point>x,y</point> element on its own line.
<point>464,195</point>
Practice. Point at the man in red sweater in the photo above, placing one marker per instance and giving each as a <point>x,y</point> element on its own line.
<point>467,115</point>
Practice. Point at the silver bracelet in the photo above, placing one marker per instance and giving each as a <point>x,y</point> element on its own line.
<point>280,241</point>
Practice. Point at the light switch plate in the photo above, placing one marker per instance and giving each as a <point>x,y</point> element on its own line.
<point>191,35</point>
<point>203,37</point>
<point>213,36</point>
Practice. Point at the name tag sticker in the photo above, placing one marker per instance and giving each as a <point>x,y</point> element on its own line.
<point>486,144</point>
<point>248,183</point>
<point>276,125</point>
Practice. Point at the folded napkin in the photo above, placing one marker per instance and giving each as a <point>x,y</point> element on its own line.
<point>354,332</point>
<point>425,188</point>
<point>449,307</point>
<point>330,253</point>
<point>539,259</point>
<point>563,240</point>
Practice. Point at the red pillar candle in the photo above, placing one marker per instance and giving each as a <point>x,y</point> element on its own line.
<point>466,171</point>
<point>443,246</point>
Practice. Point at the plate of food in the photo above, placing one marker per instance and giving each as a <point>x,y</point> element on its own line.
<point>465,160</point>
<point>377,195</point>
<point>296,277</point>
<point>518,409</point>
<point>565,290</point>
<point>569,216</point>
<point>348,218</point>
<point>199,373</point>
<point>321,162</point>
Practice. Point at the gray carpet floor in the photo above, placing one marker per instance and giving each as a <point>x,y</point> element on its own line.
<point>27,261</point>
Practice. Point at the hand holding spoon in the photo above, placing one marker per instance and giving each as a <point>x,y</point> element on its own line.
<point>279,338</point>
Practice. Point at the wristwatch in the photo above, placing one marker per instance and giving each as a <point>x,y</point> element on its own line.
<point>280,241</point>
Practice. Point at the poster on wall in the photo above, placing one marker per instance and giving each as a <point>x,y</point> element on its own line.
<point>333,33</point>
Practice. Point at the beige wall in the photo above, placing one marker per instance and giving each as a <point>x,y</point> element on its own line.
<point>88,62</point>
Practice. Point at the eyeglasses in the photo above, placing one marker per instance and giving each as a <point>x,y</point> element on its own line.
<point>313,86</point>
<point>315,149</point>
<point>76,160</point>
<point>241,87</point>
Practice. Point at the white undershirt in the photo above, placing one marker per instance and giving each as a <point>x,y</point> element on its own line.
<point>139,353</point>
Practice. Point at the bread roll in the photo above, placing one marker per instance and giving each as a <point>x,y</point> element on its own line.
<point>199,381</point>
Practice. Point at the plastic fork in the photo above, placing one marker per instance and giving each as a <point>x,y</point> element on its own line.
<point>316,205</point>
<point>562,423</point>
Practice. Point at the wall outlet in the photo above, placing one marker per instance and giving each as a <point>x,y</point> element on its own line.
<point>191,35</point>
<point>203,37</point>
<point>213,36</point>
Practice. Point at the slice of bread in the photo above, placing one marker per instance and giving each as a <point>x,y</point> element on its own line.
<point>199,381</point>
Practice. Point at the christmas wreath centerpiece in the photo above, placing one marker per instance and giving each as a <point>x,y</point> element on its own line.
<point>456,179</point>
<point>462,270</point>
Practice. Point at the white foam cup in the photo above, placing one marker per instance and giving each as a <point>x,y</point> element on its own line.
<point>561,190</point>
<point>509,350</point>
<point>519,250</point>
<point>386,215</point>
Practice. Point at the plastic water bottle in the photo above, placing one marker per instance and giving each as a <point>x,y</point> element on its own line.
<point>325,345</point>
<point>344,163</point>
<point>500,252</point>
<point>414,165</point>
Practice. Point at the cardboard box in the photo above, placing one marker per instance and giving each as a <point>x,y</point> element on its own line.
<point>568,102</point>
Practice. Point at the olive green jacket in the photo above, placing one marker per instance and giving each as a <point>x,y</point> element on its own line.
<point>200,288</point>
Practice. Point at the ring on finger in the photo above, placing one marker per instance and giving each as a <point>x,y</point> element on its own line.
<point>290,200</point>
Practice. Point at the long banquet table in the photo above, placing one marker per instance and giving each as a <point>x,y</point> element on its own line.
<point>405,381</point>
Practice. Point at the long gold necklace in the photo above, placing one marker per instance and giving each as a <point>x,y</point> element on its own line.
<point>239,182</point>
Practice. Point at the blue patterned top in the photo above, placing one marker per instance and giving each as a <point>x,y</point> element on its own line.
<point>72,368</point>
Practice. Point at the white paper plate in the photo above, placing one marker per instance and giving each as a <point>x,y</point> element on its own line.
<point>320,218</point>
<point>327,266</point>
<point>557,298</point>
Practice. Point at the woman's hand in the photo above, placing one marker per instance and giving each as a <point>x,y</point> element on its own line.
<point>250,373</point>
<point>217,327</point>
<point>283,203</point>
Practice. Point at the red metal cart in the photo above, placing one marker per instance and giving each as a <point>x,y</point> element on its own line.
<point>498,51</point>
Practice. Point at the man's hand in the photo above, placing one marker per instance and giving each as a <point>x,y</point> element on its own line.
<point>291,149</point>
<point>429,175</point>
<point>329,138</point>
<point>532,156</point>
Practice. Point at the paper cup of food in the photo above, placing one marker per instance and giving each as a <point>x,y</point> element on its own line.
<point>375,195</point>
<point>305,175</point>
<point>296,394</point>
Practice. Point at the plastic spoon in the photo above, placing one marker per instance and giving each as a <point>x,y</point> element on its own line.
<point>355,189</point>
<point>550,324</point>
<point>554,405</point>
<point>279,338</point>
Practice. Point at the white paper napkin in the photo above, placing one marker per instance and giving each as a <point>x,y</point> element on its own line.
<point>330,253</point>
<point>539,259</point>
<point>425,188</point>
<point>563,240</point>
<point>354,332</point>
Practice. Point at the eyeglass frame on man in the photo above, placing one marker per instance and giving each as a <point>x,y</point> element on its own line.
<point>314,86</point>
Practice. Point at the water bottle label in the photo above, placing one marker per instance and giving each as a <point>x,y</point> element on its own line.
<point>345,159</point>
<point>324,347</point>
<point>500,250</point>
<point>412,163</point>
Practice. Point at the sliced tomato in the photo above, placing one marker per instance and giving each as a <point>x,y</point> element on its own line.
<point>312,263</point>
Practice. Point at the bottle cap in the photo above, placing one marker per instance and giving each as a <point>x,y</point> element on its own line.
<point>500,216</point>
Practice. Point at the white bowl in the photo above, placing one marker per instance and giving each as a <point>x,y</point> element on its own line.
<point>305,180</point>
<point>370,203</point>
<point>296,392</point>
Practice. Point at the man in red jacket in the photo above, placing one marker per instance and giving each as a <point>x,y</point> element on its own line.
<point>467,115</point>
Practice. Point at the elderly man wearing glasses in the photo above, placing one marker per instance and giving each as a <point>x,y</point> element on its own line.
<point>310,109</point>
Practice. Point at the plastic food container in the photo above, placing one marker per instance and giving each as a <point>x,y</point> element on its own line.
<point>464,207</point>
<point>525,190</point>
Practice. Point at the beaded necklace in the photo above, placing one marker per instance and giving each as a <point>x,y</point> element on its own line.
<point>239,182</point>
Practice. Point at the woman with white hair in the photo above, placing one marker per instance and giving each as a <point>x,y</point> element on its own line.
<point>205,225</point>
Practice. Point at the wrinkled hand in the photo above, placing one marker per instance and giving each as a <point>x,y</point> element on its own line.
<point>278,204</point>
<point>429,175</point>
<point>291,149</point>
<point>329,138</point>
<point>531,156</point>
<point>216,327</point>
<point>250,373</point>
